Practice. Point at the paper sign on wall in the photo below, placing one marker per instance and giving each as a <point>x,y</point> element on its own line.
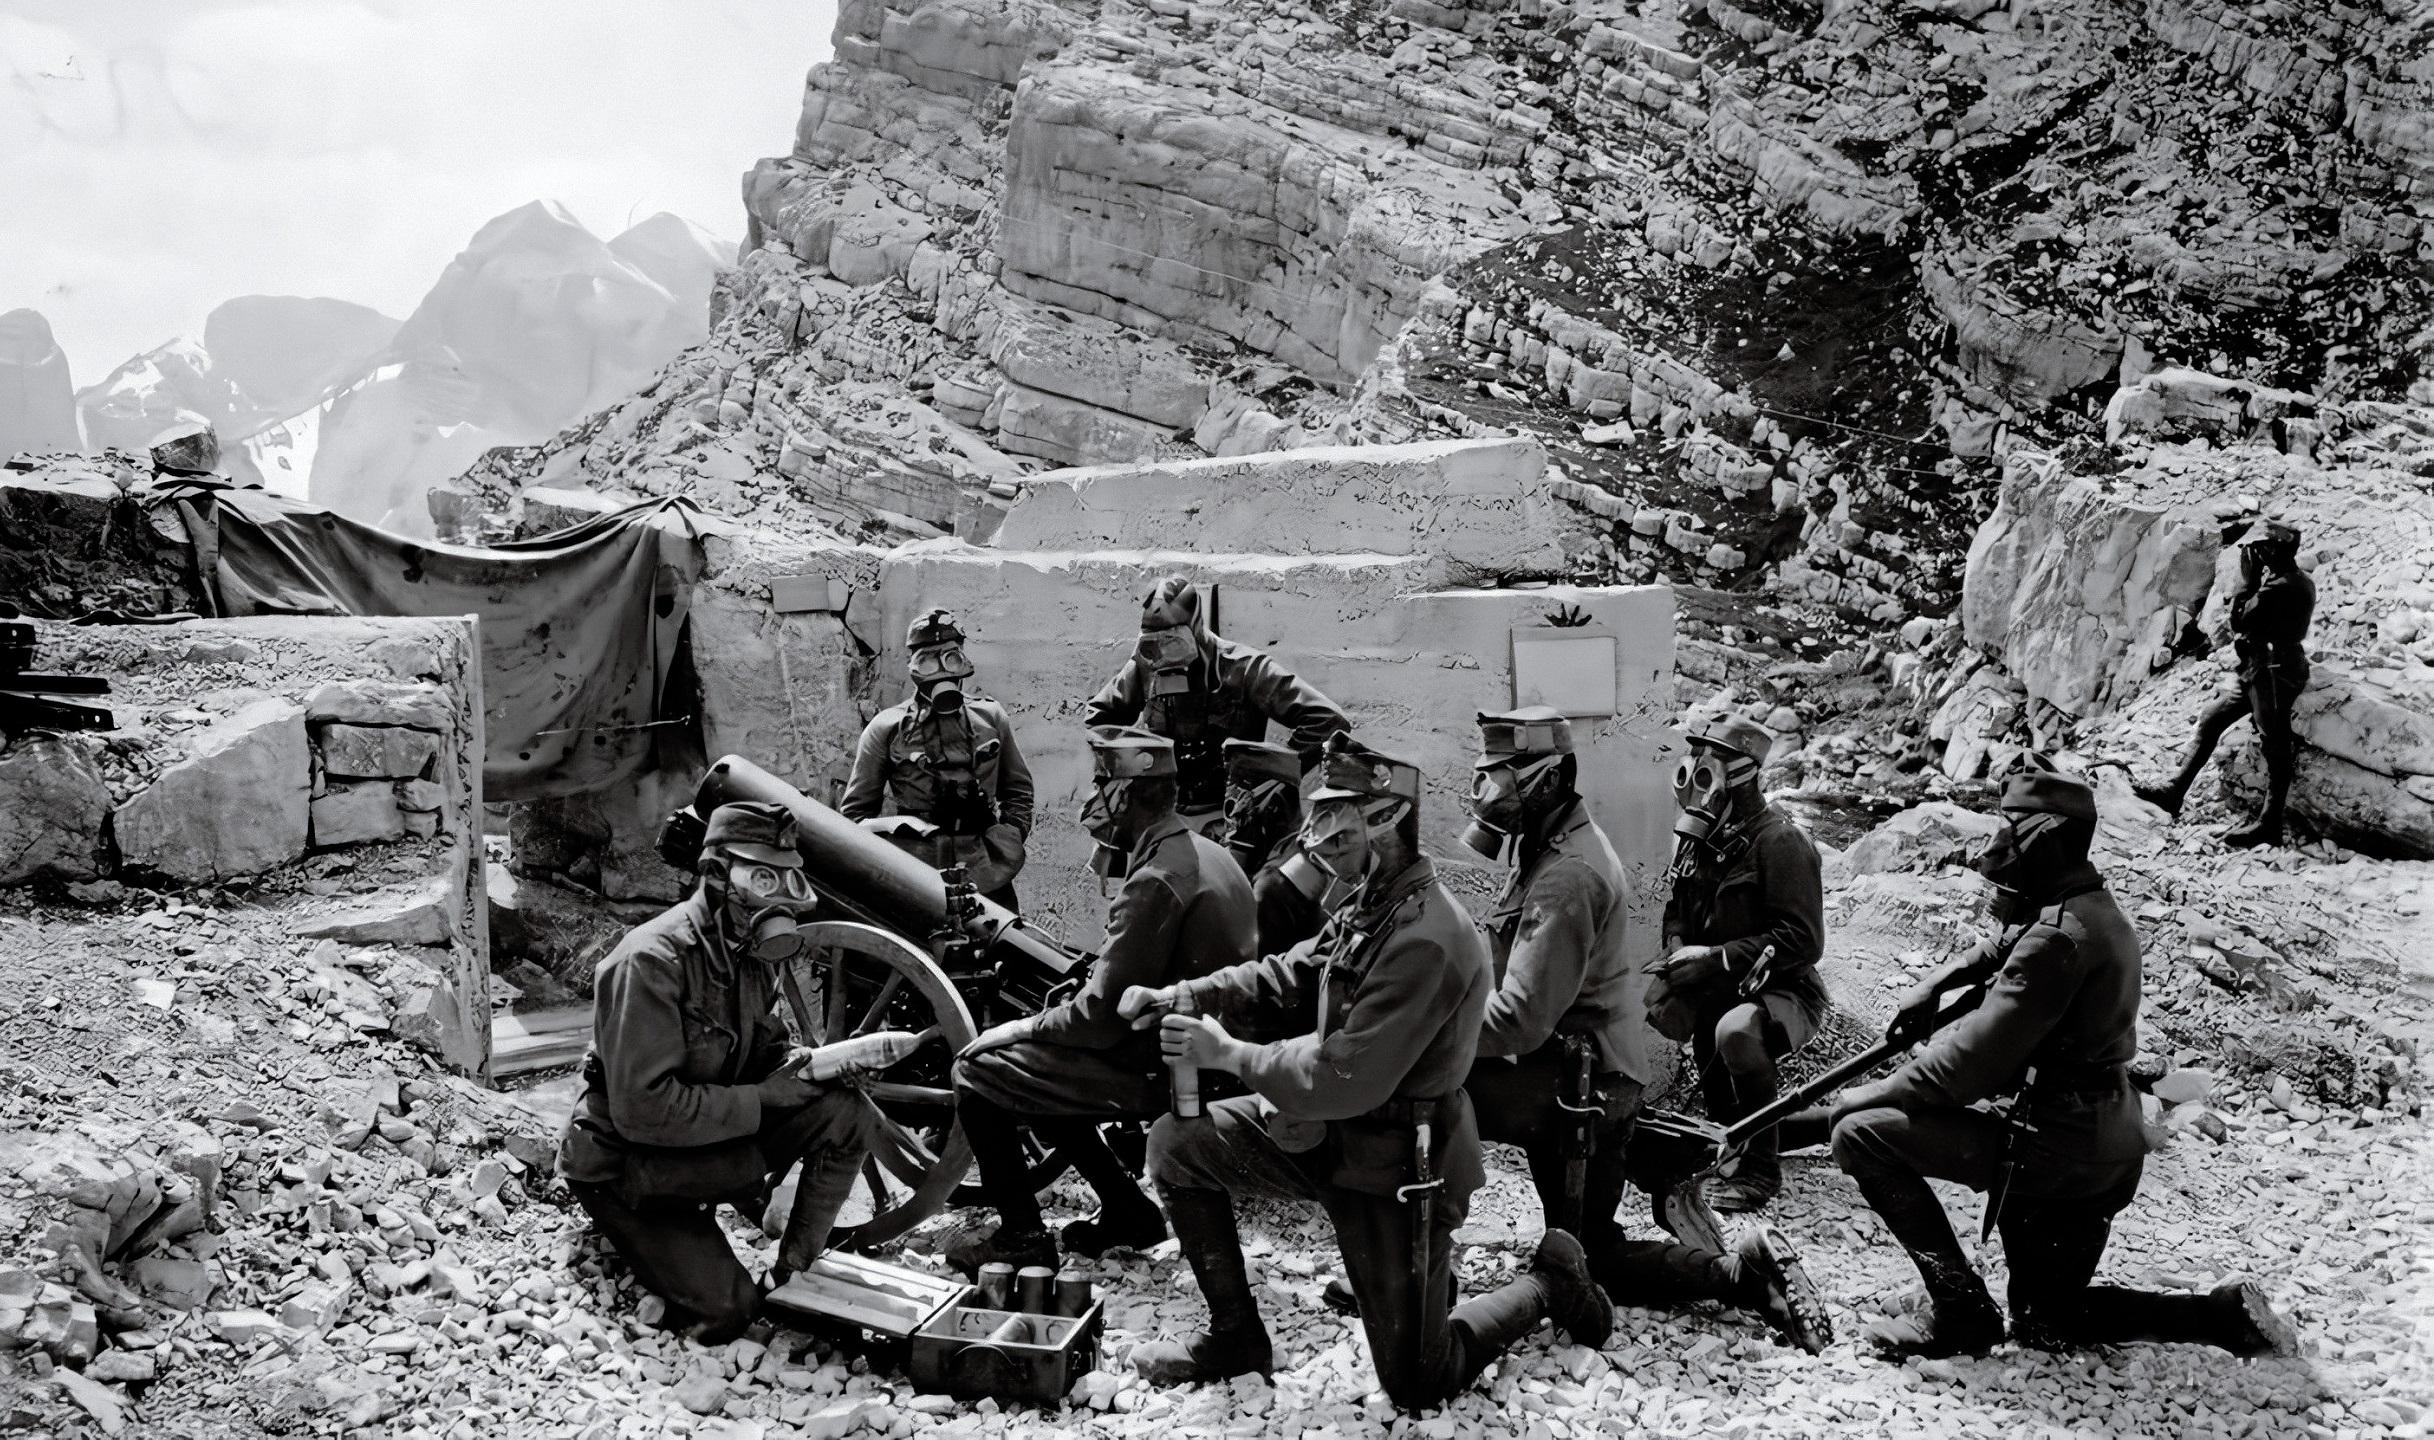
<point>1574,670</point>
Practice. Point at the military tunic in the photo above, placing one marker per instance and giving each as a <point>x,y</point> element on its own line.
<point>1773,893</point>
<point>1400,980</point>
<point>1246,691</point>
<point>2064,1004</point>
<point>670,1123</point>
<point>962,772</point>
<point>1184,911</point>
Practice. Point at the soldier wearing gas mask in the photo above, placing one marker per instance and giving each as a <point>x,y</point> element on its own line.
<point>2027,1099</point>
<point>1743,933</point>
<point>1263,817</point>
<point>948,759</point>
<point>690,1095</point>
<point>1199,689</point>
<point>1569,1005</point>
<point>1365,1113</point>
<point>1184,910</point>
<point>2269,619</point>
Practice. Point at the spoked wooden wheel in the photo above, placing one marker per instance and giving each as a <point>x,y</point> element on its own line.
<point>855,979</point>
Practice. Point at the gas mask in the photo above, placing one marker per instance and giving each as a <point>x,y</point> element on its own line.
<point>1704,785</point>
<point>1255,816</point>
<point>937,669</point>
<point>1166,656</point>
<point>1103,817</point>
<point>2024,860</point>
<point>1340,838</point>
<point>764,905</point>
<point>1504,801</point>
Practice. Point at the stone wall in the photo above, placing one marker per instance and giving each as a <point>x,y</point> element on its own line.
<point>245,747</point>
<point>1411,666</point>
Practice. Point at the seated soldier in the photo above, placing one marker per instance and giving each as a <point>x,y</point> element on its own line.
<point>1184,910</point>
<point>689,1095</point>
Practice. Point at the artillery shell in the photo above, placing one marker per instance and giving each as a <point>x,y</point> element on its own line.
<point>1034,1286</point>
<point>997,1285</point>
<point>1073,1295</point>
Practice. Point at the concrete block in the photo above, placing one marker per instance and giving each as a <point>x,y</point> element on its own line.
<point>1474,505</point>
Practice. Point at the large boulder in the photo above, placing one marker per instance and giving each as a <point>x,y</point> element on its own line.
<point>52,805</point>
<point>1923,837</point>
<point>239,804</point>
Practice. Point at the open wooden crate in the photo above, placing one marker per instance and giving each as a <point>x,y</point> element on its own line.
<point>955,1344</point>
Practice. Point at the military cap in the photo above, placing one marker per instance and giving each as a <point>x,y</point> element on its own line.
<point>935,627</point>
<point>1127,752</point>
<point>1262,760</point>
<point>1174,603</point>
<point>2032,790</point>
<point>2272,535</point>
<point>1528,733</point>
<point>753,830</point>
<point>1742,737</point>
<point>1353,771</point>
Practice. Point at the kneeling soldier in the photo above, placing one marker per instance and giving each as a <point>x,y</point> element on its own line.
<point>1563,1053</point>
<point>1184,911</point>
<point>2061,1155</point>
<point>688,1099</point>
<point>1366,1114</point>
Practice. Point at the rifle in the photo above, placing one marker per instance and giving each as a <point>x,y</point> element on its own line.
<point>1673,1156</point>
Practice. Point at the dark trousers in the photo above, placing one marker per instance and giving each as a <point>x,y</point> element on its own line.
<point>2266,695</point>
<point>2054,1225</point>
<point>1425,1352</point>
<point>1062,1093</point>
<point>1518,1104</point>
<point>676,1246</point>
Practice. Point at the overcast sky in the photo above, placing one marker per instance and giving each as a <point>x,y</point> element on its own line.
<point>162,156</point>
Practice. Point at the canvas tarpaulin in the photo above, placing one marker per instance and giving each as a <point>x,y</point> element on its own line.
<point>578,627</point>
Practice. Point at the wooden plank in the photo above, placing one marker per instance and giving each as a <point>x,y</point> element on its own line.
<point>789,594</point>
<point>537,1041</point>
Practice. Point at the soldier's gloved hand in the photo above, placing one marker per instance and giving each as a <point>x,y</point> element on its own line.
<point>1914,1017</point>
<point>1195,1040</point>
<point>1143,1005</point>
<point>1691,967</point>
<point>997,1037</point>
<point>787,1090</point>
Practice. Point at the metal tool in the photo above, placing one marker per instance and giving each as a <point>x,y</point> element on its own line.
<point>2007,1153</point>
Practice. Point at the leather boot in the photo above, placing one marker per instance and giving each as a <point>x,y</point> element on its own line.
<point>828,1178</point>
<point>2248,1324</point>
<point>1236,1343</point>
<point>1961,1318</point>
<point>2266,829</point>
<point>1127,1219</point>
<point>1766,1276</point>
<point>1571,1295</point>
<point>2169,796</point>
<point>2234,1316</point>
<point>1754,1176</point>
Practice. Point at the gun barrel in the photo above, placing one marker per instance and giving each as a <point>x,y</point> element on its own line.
<point>1833,1079</point>
<point>857,872</point>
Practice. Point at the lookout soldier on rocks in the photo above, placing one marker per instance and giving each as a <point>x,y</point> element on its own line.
<point>1263,814</point>
<point>690,1096</point>
<point>2060,1151</point>
<point>2269,619</point>
<point>1366,1114</point>
<point>949,761</point>
<point>1184,910</point>
<point>1743,933</point>
<point>1197,688</point>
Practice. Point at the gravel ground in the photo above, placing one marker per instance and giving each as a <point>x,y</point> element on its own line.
<point>407,1220</point>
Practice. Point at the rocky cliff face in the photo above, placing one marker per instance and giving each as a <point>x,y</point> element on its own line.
<point>1771,282</point>
<point>37,402</point>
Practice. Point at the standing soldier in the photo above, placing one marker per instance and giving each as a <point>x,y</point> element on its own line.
<point>2269,619</point>
<point>949,760</point>
<point>688,1096</point>
<point>2060,1155</point>
<point>1184,910</point>
<point>1263,818</point>
<point>1197,688</point>
<point>1366,1114</point>
<point>1564,1052</point>
<point>1743,933</point>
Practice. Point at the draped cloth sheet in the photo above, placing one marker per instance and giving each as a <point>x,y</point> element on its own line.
<point>578,629</point>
